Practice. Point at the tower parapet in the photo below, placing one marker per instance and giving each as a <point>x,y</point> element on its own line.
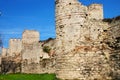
<point>15,47</point>
<point>30,36</point>
<point>95,11</point>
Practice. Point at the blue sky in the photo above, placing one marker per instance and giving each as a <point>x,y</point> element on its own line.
<point>19,15</point>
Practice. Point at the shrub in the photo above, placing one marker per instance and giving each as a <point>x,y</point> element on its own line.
<point>46,49</point>
<point>108,20</point>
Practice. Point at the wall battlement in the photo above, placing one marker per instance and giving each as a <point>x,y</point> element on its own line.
<point>15,39</point>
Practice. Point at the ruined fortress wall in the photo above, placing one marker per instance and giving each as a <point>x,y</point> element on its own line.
<point>84,63</point>
<point>30,36</point>
<point>44,66</point>
<point>31,53</point>
<point>80,32</point>
<point>114,28</point>
<point>15,47</point>
<point>32,59</point>
<point>93,31</point>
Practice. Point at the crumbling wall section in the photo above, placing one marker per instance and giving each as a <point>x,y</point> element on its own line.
<point>84,63</point>
<point>45,65</point>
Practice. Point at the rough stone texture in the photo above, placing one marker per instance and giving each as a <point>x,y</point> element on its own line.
<point>11,65</point>
<point>84,63</point>
<point>15,47</point>
<point>30,36</point>
<point>31,53</point>
<point>95,59</point>
<point>82,48</point>
<point>73,23</point>
<point>69,15</point>
<point>113,42</point>
<point>45,65</point>
<point>35,60</point>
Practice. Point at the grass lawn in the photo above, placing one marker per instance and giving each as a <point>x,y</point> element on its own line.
<point>28,77</point>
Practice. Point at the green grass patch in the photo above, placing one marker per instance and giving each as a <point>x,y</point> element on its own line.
<point>28,77</point>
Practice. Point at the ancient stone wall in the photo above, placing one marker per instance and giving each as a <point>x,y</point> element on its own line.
<point>85,48</point>
<point>82,52</point>
<point>27,55</point>
<point>92,32</point>
<point>31,53</point>
<point>113,41</point>
<point>11,64</point>
<point>45,65</point>
<point>70,15</point>
<point>35,60</point>
<point>73,22</point>
<point>84,63</point>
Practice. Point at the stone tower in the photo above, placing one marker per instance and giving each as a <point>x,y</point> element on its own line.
<point>70,17</point>
<point>30,37</point>
<point>79,32</point>
<point>75,23</point>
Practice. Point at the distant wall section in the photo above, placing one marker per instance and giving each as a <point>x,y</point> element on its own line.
<point>15,47</point>
<point>30,36</point>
